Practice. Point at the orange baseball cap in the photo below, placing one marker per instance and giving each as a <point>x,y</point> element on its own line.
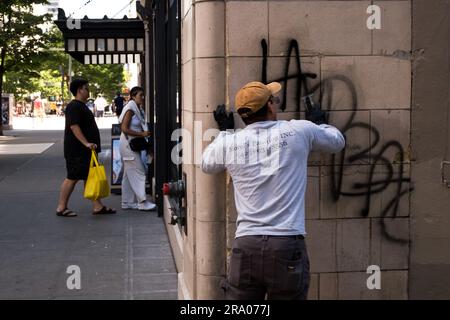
<point>254,95</point>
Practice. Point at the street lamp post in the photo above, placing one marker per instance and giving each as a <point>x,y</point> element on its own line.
<point>61,70</point>
<point>70,74</point>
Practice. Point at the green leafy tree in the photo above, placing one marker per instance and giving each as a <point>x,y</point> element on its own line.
<point>41,64</point>
<point>104,79</point>
<point>25,78</point>
<point>47,77</point>
<point>19,83</point>
<point>21,37</point>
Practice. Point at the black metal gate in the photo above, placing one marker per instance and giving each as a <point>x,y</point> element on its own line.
<point>167,97</point>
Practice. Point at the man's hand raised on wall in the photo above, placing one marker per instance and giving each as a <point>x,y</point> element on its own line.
<point>313,112</point>
<point>224,119</point>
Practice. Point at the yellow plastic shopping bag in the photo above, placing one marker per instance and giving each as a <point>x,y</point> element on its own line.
<point>97,184</point>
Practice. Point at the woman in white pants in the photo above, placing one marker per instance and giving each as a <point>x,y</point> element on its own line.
<point>133,125</point>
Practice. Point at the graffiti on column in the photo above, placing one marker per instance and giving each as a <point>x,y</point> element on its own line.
<point>372,186</point>
<point>4,108</point>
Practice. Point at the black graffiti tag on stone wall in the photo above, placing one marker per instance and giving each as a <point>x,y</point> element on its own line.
<point>323,95</point>
<point>4,108</point>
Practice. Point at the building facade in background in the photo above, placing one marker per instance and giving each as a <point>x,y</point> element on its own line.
<point>52,8</point>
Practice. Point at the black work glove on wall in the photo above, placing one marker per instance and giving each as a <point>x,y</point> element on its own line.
<point>314,113</point>
<point>224,119</point>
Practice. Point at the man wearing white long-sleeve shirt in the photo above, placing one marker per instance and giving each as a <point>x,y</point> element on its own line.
<point>100,104</point>
<point>267,162</point>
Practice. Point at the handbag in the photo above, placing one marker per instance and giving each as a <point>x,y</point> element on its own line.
<point>139,144</point>
<point>96,184</point>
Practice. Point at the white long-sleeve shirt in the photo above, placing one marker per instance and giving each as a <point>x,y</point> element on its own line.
<point>100,103</point>
<point>267,162</point>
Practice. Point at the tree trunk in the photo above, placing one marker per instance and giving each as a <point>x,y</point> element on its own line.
<point>2,71</point>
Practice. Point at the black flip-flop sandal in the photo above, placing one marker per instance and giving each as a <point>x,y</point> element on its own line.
<point>66,213</point>
<point>105,210</point>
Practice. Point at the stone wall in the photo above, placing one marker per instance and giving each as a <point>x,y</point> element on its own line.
<point>357,205</point>
<point>430,201</point>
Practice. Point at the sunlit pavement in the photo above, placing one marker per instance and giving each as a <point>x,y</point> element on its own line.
<point>121,256</point>
<point>53,122</point>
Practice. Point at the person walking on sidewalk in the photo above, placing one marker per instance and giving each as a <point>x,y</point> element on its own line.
<point>267,162</point>
<point>99,105</point>
<point>118,104</point>
<point>81,135</point>
<point>133,124</point>
<point>39,109</point>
